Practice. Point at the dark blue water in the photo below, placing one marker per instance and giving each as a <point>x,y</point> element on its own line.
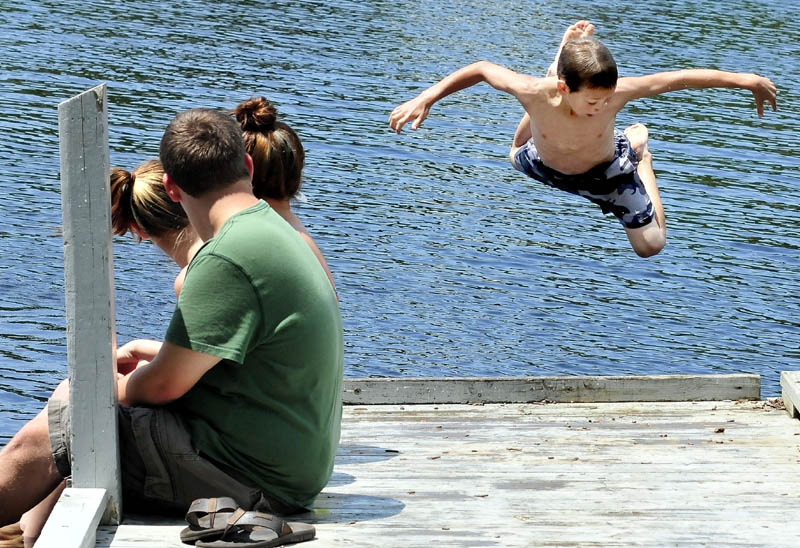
<point>447,261</point>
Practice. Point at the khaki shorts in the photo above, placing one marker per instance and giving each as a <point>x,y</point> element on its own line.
<point>162,473</point>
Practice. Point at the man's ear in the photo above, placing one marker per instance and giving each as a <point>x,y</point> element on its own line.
<point>173,191</point>
<point>561,86</point>
<point>248,161</point>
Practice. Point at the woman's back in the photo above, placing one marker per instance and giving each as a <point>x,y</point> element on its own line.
<point>278,159</point>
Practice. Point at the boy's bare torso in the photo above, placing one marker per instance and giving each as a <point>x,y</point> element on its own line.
<point>565,141</point>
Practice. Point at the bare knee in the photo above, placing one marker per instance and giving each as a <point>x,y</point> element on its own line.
<point>32,438</point>
<point>638,136</point>
<point>62,391</point>
<point>648,250</point>
<point>648,240</point>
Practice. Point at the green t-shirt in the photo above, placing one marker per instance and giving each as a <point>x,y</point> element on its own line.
<point>256,296</point>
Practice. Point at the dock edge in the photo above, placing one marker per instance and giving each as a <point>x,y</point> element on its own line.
<point>599,389</point>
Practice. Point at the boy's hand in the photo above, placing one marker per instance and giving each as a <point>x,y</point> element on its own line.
<point>763,90</point>
<point>416,109</point>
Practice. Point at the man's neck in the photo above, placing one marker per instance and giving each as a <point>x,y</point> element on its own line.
<point>209,212</point>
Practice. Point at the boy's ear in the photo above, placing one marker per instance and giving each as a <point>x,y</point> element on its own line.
<point>561,86</point>
<point>173,191</point>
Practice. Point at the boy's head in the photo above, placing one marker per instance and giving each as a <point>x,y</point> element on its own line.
<point>202,150</point>
<point>586,62</point>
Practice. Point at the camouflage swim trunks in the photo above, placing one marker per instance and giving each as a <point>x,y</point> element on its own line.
<point>614,186</point>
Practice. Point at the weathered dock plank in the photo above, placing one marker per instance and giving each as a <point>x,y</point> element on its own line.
<point>74,520</point>
<point>554,389</point>
<point>605,474</point>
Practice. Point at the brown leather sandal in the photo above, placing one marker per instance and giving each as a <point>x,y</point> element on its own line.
<point>208,519</point>
<point>259,530</point>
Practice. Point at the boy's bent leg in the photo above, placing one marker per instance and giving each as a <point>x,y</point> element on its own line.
<point>651,238</point>
<point>28,472</point>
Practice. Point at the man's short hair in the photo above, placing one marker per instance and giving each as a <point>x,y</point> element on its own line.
<point>587,62</point>
<point>203,150</point>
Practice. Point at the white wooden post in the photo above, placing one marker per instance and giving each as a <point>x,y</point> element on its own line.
<point>89,288</point>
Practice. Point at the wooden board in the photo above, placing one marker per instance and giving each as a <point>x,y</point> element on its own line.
<point>554,389</point>
<point>89,292</point>
<point>790,390</point>
<point>73,523</point>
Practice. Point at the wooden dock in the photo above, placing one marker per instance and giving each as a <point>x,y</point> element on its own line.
<point>686,473</point>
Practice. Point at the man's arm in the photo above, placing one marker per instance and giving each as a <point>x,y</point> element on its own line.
<point>763,89</point>
<point>501,78</point>
<point>166,378</point>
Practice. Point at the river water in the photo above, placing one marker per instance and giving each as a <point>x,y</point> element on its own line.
<point>447,261</point>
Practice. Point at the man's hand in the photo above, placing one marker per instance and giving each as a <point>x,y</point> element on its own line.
<point>135,353</point>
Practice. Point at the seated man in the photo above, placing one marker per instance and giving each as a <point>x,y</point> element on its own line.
<point>243,399</point>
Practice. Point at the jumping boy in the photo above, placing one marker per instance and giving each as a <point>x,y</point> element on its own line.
<point>567,138</point>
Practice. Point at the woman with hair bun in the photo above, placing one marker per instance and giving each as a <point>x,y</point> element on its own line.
<point>278,159</point>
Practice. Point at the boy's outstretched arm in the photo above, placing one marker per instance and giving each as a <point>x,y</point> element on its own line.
<point>521,136</point>
<point>416,110</point>
<point>762,88</point>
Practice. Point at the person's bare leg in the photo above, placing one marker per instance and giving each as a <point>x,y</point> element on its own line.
<point>638,136</point>
<point>28,472</point>
<point>32,521</point>
<point>650,239</point>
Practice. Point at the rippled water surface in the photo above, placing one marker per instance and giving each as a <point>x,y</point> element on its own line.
<point>447,261</point>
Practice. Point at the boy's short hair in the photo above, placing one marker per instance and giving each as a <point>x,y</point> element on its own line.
<point>203,150</point>
<point>587,62</point>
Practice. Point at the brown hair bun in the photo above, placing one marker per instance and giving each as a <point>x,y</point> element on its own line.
<point>256,114</point>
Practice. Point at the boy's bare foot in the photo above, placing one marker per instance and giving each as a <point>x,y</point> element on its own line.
<point>637,134</point>
<point>578,30</point>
